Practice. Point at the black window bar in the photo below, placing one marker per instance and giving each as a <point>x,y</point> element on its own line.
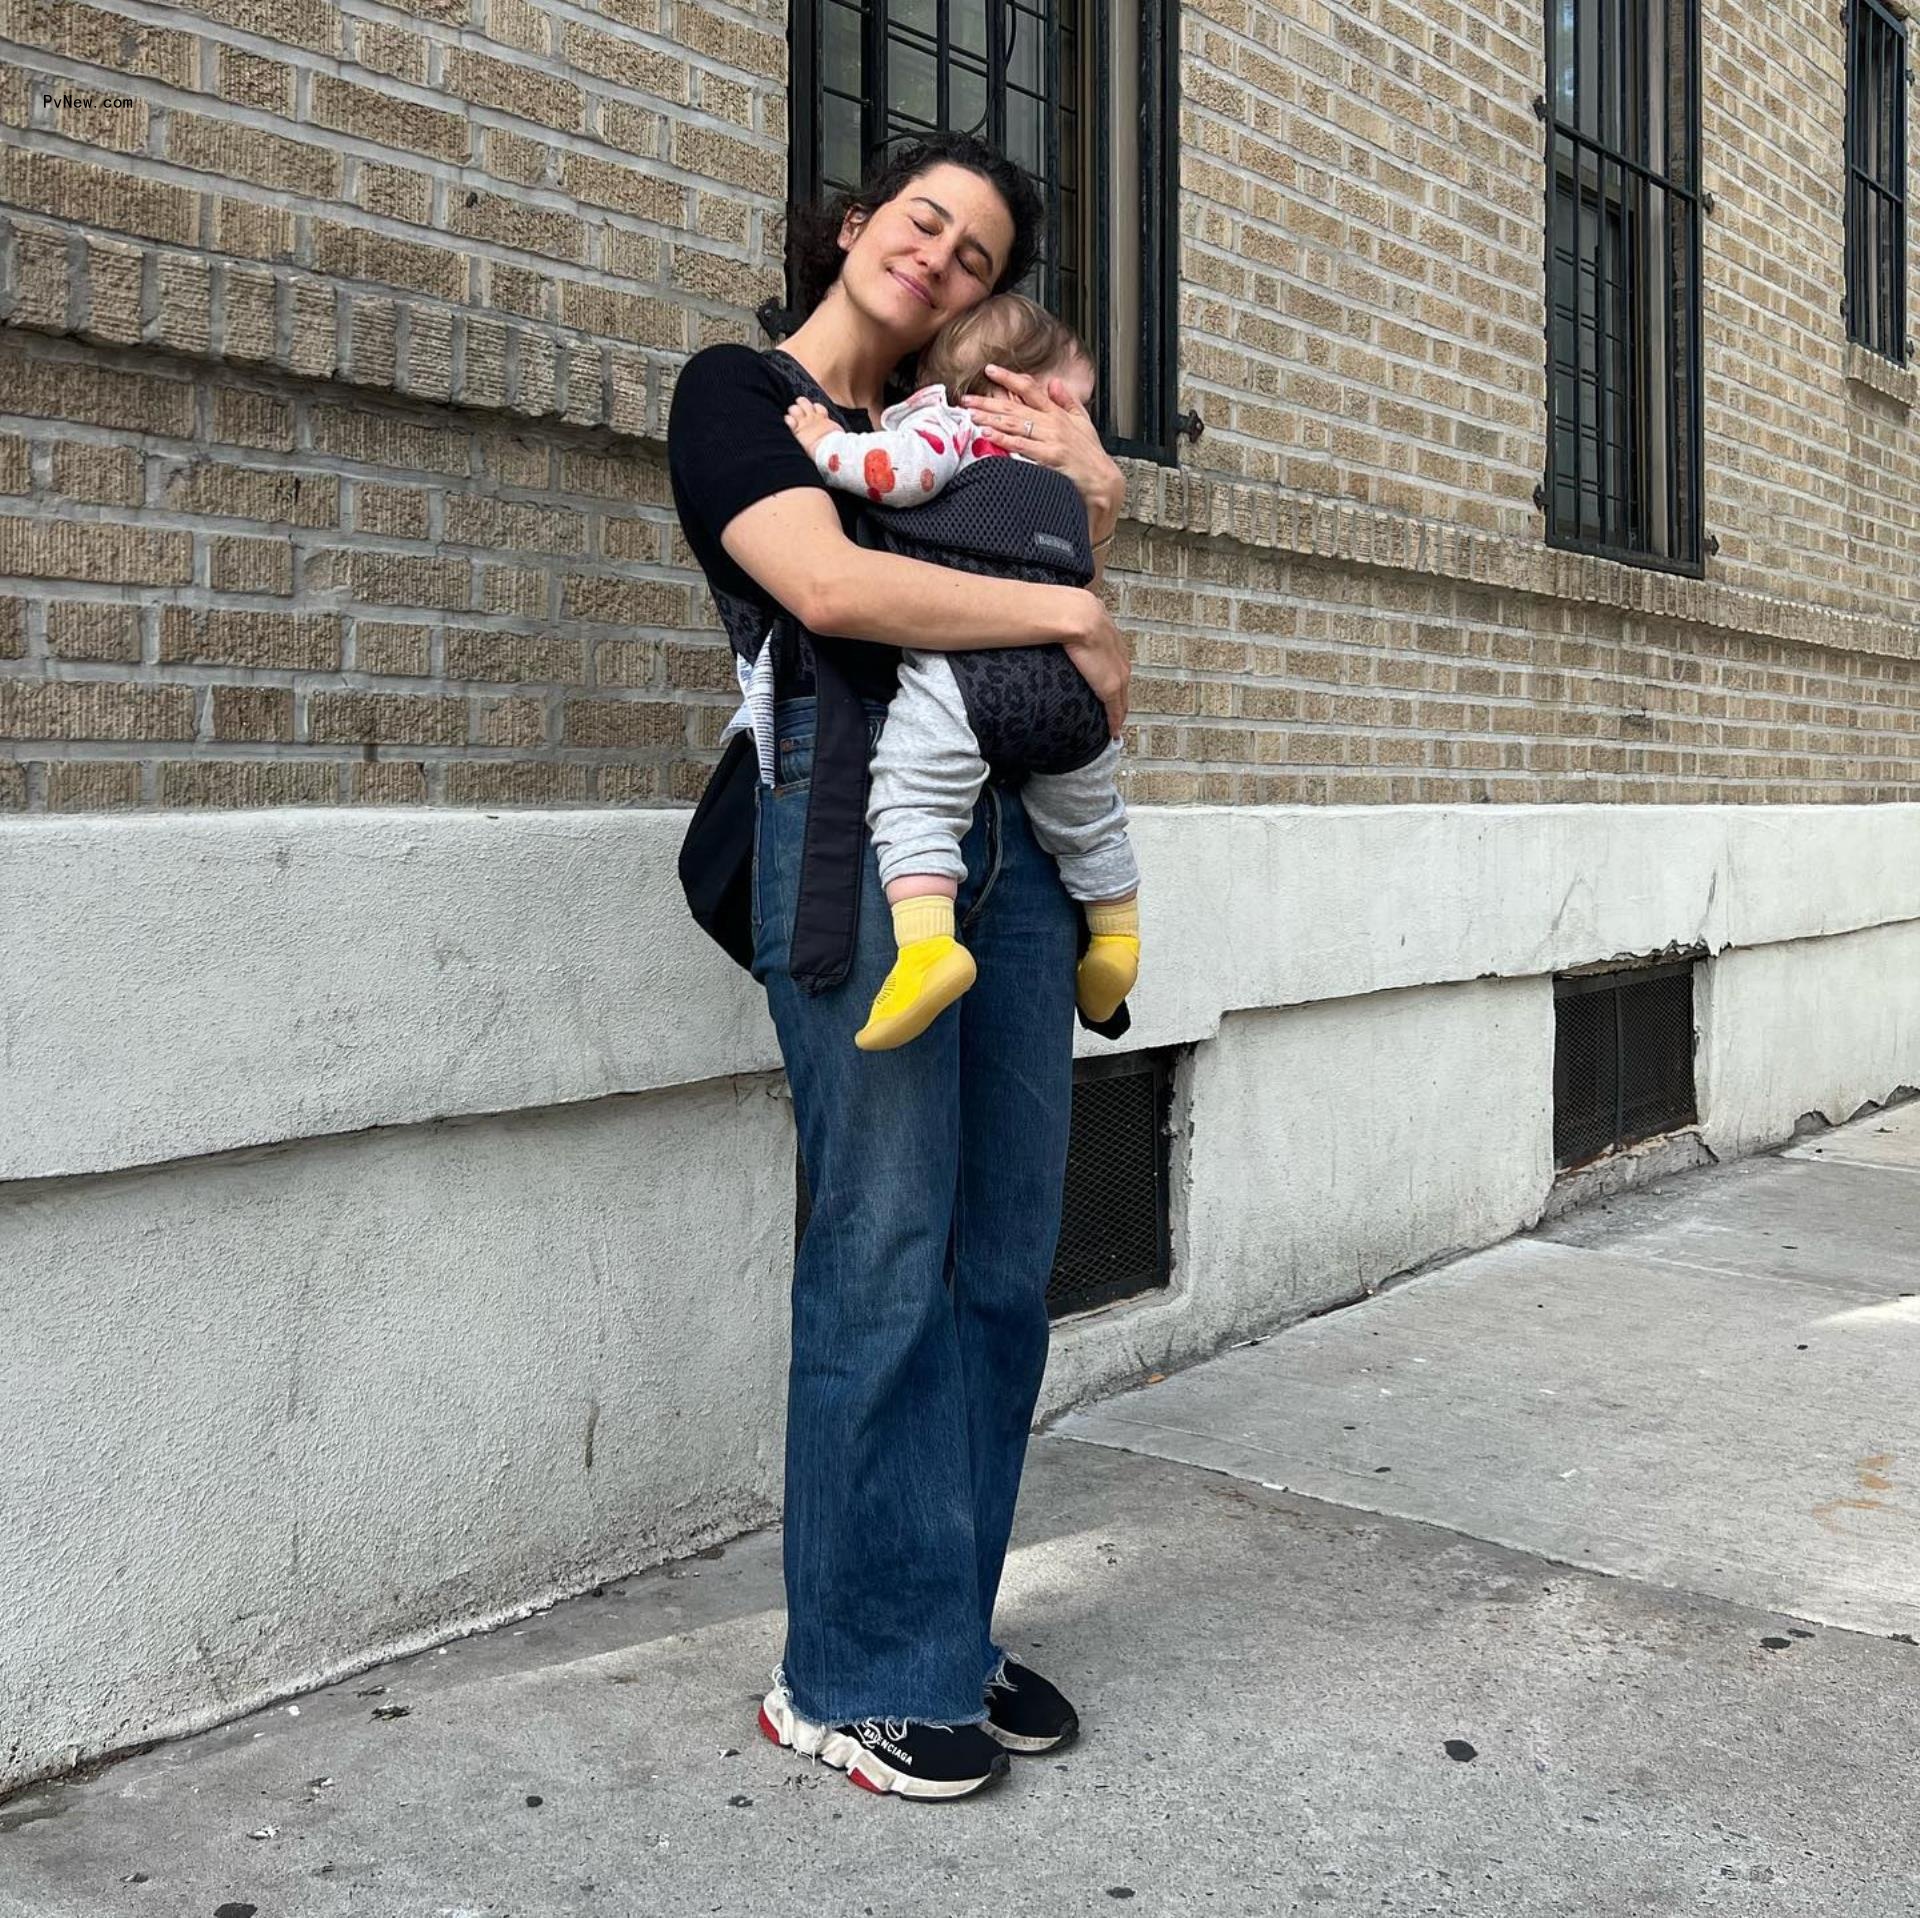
<point>1622,110</point>
<point>1877,178</point>
<point>1041,81</point>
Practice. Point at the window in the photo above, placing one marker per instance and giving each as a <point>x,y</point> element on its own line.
<point>1078,93</point>
<point>1623,280</point>
<point>1877,178</point>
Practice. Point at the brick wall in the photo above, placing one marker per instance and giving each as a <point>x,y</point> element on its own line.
<point>335,343</point>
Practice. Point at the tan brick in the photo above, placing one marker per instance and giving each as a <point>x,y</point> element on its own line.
<point>241,418</point>
<point>82,629</point>
<point>516,24</point>
<point>628,602</point>
<point>247,227</point>
<point>95,550</point>
<point>238,152</point>
<point>16,464</point>
<point>520,462</point>
<point>248,782</point>
<point>718,156</point>
<point>511,87</point>
<point>114,275</point>
<point>398,650</point>
<point>406,719</point>
<point>13,788</point>
<point>634,256</point>
<point>356,253</point>
<point>624,61</point>
<point>516,782</point>
<point>100,475</point>
<point>238,564</point>
<point>726,99</point>
<point>617,785</point>
<point>116,121</point>
<point>406,579</point>
<point>93,709</point>
<point>739,282</point>
<point>625,189</point>
<point>370,114</point>
<point>352,433</point>
<point>183,311</point>
<point>313,24</point>
<point>477,652</point>
<point>510,722</point>
<point>520,290</point>
<point>43,290</point>
<point>716,218</point>
<point>512,156</point>
<point>474,519</point>
<point>249,298</point>
<point>450,13</point>
<point>100,38</point>
<point>247,713</point>
<point>392,51</point>
<point>631,317</point>
<point>272,493</point>
<point>397,192</point>
<point>633,129</point>
<point>231,636</point>
<point>252,80</point>
<point>624,722</point>
<point>700,669</point>
<point>729,42</point>
<point>98,196</point>
<point>474,215</point>
<point>388,782</point>
<point>513,589</point>
<point>399,512</point>
<point>92,785</point>
<point>626,662</point>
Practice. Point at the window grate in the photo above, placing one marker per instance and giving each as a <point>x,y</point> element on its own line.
<point>1876,178</point>
<point>1622,110</point>
<point>1115,1239</point>
<point>1080,95</point>
<point>1622,1059</point>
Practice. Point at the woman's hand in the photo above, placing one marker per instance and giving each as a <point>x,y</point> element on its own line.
<point>1099,650</point>
<point>1063,436</point>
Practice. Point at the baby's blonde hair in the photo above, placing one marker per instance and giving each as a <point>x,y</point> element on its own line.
<point>1010,330</point>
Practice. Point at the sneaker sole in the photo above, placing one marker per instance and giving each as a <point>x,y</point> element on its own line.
<point>780,1723</point>
<point>1030,1747</point>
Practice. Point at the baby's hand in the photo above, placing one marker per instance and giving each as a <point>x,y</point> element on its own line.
<point>810,422</point>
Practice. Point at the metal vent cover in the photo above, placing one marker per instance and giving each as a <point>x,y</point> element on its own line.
<point>1622,1059</point>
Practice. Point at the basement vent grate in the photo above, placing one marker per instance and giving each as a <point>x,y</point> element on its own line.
<point>1115,1241</point>
<point>1622,1059</point>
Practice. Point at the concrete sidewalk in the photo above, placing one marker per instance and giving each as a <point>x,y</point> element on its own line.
<point>1578,1576</point>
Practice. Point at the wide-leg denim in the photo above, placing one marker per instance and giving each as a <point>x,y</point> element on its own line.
<point>919,1291</point>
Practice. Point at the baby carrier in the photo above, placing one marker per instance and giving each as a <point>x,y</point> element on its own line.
<point>1029,707</point>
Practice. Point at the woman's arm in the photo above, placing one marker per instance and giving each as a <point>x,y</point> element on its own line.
<point>793,546</point>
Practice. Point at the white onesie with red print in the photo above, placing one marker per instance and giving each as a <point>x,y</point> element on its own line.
<point>921,444</point>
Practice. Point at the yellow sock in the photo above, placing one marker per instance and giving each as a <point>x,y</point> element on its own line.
<point>1113,916</point>
<point>1111,963</point>
<point>928,917</point>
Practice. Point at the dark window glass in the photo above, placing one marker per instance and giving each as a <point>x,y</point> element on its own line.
<point>1622,107</point>
<point>1877,178</point>
<point>1077,93</point>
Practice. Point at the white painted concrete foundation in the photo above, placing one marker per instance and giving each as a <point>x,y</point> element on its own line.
<point>396,1207</point>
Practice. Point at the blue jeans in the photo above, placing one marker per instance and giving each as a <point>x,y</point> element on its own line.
<point>919,1289</point>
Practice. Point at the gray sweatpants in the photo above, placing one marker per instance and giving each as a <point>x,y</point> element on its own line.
<point>927,773</point>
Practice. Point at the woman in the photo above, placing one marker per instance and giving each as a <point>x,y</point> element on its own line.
<point>919,1314</point>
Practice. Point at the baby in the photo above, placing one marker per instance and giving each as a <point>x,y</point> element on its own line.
<point>927,768</point>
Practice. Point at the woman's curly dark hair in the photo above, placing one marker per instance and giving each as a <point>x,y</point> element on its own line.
<point>813,236</point>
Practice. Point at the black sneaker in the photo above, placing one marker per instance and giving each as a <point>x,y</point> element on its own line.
<point>1025,1713</point>
<point>890,1755</point>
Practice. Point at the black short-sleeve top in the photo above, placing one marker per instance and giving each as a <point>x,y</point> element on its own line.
<point>727,447</point>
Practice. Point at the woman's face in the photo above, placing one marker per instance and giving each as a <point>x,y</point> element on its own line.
<point>933,250</point>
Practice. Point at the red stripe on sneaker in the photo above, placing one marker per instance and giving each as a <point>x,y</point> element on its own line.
<point>768,1726</point>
